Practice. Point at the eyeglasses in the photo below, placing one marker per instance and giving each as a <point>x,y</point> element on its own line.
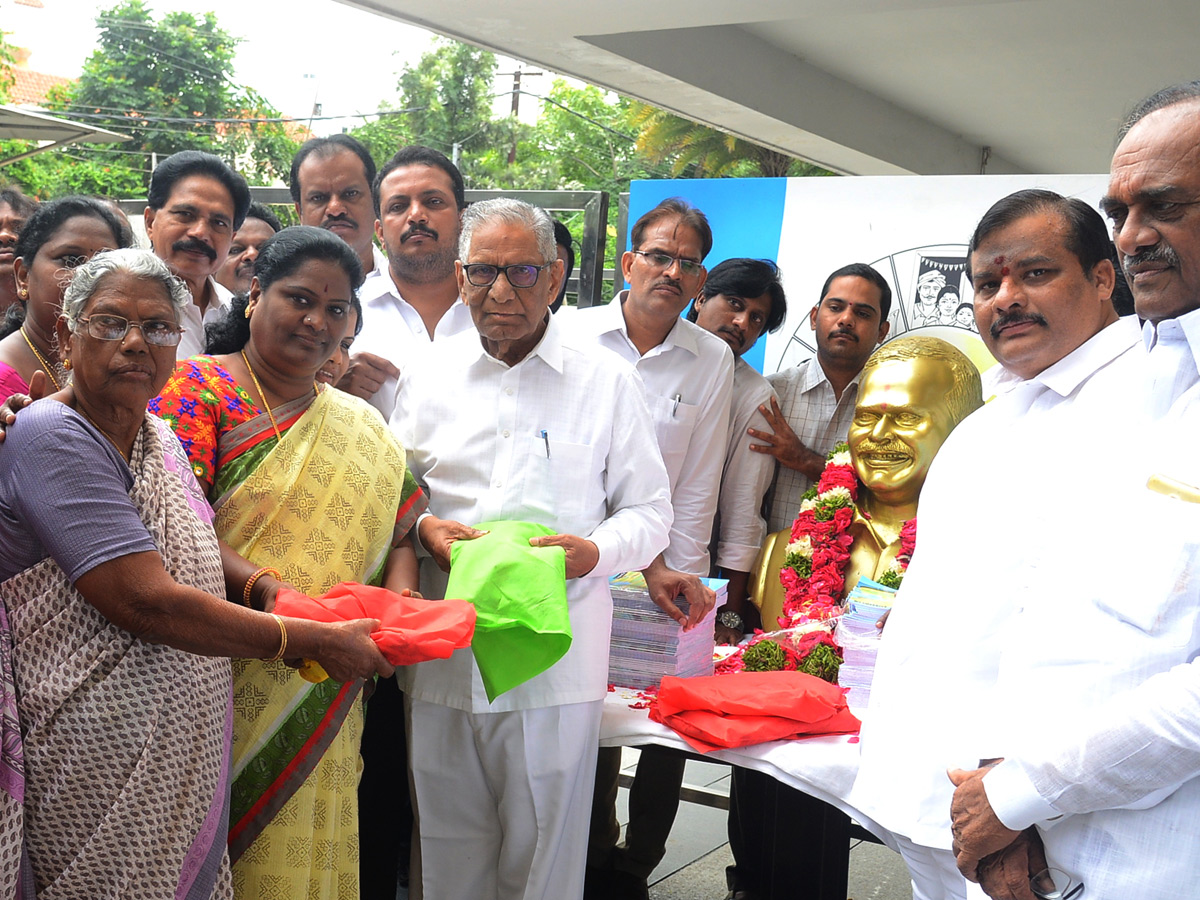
<point>157,332</point>
<point>663,261</point>
<point>519,276</point>
<point>1055,884</point>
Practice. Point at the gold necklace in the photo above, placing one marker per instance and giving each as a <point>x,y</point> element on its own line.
<point>46,367</point>
<point>79,409</point>
<point>262,396</point>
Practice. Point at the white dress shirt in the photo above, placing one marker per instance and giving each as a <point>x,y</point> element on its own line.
<point>392,328</point>
<point>191,343</point>
<point>1051,616</point>
<point>747,475</point>
<point>474,427</point>
<point>820,419</point>
<point>688,382</point>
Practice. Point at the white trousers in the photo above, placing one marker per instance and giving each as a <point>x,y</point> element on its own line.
<point>502,800</point>
<point>934,874</point>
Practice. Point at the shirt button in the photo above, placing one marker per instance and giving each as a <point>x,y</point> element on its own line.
<point>505,432</point>
<point>508,391</point>
<point>499,484</point>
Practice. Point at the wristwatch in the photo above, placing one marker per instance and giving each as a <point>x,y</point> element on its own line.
<point>731,619</point>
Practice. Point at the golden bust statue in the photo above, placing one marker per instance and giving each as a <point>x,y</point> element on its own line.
<point>912,393</point>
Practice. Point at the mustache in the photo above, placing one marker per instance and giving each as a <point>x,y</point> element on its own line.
<point>844,332</point>
<point>1015,318</point>
<point>734,332</point>
<point>194,245</point>
<point>415,229</point>
<point>1159,253</point>
<point>329,221</point>
<point>870,447</point>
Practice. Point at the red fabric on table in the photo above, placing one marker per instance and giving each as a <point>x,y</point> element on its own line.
<point>721,711</point>
<point>411,630</point>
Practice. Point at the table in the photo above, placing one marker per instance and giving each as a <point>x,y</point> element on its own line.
<point>813,777</point>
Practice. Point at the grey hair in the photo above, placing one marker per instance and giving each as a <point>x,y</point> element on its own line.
<point>138,263</point>
<point>1172,95</point>
<point>509,212</point>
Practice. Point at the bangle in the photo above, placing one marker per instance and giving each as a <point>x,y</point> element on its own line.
<point>266,570</point>
<point>282,640</point>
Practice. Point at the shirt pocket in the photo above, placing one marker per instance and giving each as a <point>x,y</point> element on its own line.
<point>1153,583</point>
<point>563,484</point>
<point>674,422</point>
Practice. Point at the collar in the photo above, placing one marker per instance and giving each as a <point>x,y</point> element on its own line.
<point>812,376</point>
<point>381,262</point>
<point>219,295</point>
<point>682,333</point>
<point>1066,375</point>
<point>549,349</point>
<point>1185,327</point>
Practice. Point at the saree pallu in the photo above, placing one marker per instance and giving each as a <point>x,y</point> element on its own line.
<point>320,505</point>
<point>117,783</point>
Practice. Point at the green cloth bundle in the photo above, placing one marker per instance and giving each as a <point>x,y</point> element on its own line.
<point>522,625</point>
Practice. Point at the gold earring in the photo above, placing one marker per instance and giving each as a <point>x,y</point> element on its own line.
<point>22,293</point>
<point>247,312</point>
<point>67,364</point>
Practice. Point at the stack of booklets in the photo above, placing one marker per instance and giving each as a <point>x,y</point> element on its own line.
<point>648,644</point>
<point>859,638</point>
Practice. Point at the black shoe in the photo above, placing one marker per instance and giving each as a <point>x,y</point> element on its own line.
<point>627,886</point>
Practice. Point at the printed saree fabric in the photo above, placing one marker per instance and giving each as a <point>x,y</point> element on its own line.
<point>117,783</point>
<point>321,506</point>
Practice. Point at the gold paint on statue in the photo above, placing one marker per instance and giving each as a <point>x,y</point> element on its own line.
<point>913,392</point>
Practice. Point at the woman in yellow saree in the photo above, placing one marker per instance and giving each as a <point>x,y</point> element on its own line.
<point>310,481</point>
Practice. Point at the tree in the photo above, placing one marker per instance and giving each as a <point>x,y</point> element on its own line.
<point>167,85</point>
<point>694,150</point>
<point>449,95</point>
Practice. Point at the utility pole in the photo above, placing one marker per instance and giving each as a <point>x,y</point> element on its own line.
<point>516,107</point>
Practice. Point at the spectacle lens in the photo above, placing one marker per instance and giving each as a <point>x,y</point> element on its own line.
<point>519,276</point>
<point>1055,884</point>
<point>663,261</point>
<point>156,332</point>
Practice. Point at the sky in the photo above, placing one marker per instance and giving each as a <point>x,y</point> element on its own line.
<point>295,55</point>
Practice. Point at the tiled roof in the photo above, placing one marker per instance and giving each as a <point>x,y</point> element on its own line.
<point>29,87</point>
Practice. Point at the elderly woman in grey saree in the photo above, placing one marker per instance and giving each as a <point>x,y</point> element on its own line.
<point>115,690</point>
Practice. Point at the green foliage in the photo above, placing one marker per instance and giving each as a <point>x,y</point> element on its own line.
<point>449,93</point>
<point>7,61</point>
<point>692,150</point>
<point>891,579</point>
<point>158,82</point>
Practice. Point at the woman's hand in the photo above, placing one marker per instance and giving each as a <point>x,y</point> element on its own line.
<point>346,650</point>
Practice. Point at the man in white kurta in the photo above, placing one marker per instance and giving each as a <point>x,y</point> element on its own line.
<point>413,300</point>
<point>524,423</point>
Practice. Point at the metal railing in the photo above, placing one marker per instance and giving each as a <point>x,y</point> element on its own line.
<point>587,283</point>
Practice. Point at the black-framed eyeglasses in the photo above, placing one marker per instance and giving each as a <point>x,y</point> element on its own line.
<point>663,261</point>
<point>157,332</point>
<point>1055,884</point>
<point>519,276</point>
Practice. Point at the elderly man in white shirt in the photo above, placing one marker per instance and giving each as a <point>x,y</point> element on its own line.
<point>413,301</point>
<point>521,421</point>
<point>1108,779</point>
<point>688,378</point>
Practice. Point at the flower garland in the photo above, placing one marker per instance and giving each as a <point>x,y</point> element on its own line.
<point>814,574</point>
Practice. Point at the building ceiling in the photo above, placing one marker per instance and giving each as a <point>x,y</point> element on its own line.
<point>869,87</point>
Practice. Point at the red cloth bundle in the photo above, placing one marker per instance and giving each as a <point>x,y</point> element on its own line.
<point>411,630</point>
<point>720,711</point>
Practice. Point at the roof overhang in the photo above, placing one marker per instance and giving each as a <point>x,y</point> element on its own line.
<point>870,87</point>
<point>49,131</point>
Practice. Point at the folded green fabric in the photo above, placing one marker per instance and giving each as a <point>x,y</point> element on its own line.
<point>522,626</point>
